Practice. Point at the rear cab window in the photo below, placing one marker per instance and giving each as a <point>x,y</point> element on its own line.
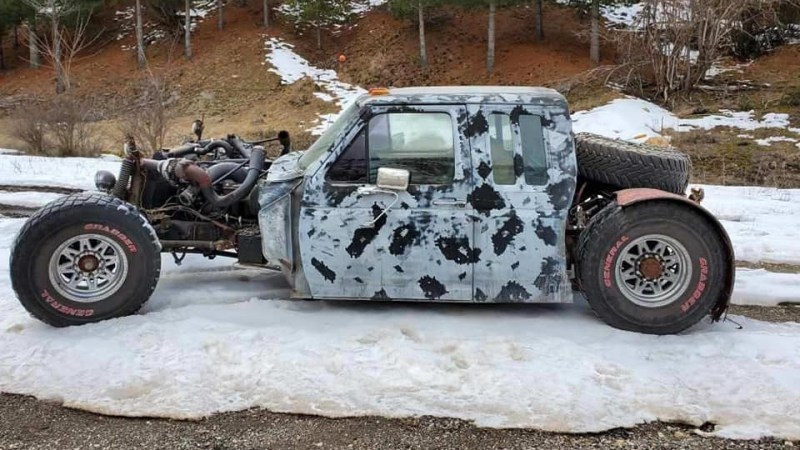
<point>518,150</point>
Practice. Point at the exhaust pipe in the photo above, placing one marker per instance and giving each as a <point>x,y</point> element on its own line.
<point>199,177</point>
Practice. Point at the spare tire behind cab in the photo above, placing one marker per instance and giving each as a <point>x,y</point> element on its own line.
<point>630,165</point>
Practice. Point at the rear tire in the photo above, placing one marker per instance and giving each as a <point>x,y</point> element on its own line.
<point>85,258</point>
<point>655,267</point>
<point>629,165</point>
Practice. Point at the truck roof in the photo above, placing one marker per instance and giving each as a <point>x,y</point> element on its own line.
<point>463,94</point>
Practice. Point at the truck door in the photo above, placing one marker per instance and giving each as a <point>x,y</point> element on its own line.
<point>525,178</point>
<point>417,245</point>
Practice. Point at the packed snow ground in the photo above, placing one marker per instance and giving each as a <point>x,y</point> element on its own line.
<point>212,341</point>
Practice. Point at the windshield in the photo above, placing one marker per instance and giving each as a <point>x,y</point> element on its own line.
<point>325,141</point>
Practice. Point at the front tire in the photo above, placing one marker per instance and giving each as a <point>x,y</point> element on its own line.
<point>654,267</point>
<point>85,258</point>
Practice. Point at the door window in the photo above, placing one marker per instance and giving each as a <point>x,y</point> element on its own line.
<point>351,167</point>
<point>422,143</point>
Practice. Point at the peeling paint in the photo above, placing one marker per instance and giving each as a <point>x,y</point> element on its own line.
<point>505,235</point>
<point>457,249</point>
<point>402,238</point>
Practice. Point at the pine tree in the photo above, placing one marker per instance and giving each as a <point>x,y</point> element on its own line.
<point>187,30</point>
<point>318,14</point>
<point>538,19</point>
<point>62,45</point>
<point>491,27</point>
<point>592,8</point>
<point>140,55</point>
<point>14,14</point>
<point>415,10</point>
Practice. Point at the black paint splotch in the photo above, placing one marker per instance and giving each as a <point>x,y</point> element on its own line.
<point>462,275</point>
<point>546,233</point>
<point>485,198</point>
<point>561,193</point>
<point>477,125</point>
<point>402,238</point>
<point>399,269</point>
<point>480,296</point>
<point>324,270</point>
<point>506,234</point>
<point>458,250</point>
<point>516,112</point>
<point>519,166</point>
<point>381,295</point>
<point>513,292</point>
<point>364,236</point>
<point>484,170</point>
<point>432,288</point>
<point>549,279</point>
<point>515,265</point>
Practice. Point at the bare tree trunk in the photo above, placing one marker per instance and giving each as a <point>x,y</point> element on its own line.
<point>61,82</point>
<point>33,45</point>
<point>16,37</point>
<point>2,54</point>
<point>266,13</point>
<point>594,51</point>
<point>319,37</point>
<point>220,15</point>
<point>490,49</point>
<point>539,20</point>
<point>140,56</point>
<point>187,33</point>
<point>423,49</point>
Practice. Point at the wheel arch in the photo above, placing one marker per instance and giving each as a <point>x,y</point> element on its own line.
<point>629,197</point>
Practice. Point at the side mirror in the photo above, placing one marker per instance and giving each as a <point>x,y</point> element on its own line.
<point>393,179</point>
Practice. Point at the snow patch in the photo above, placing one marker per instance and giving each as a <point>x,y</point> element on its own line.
<point>770,140</point>
<point>126,18</point>
<point>763,288</point>
<point>27,199</point>
<point>75,173</point>
<point>763,223</point>
<point>633,118</point>
<point>292,67</point>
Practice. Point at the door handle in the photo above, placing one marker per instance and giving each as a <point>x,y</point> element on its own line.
<point>450,202</point>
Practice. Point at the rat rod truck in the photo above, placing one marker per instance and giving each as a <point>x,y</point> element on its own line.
<point>441,194</point>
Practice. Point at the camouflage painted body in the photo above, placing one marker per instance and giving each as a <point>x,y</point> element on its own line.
<point>472,240</point>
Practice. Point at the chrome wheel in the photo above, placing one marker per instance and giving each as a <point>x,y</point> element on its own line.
<point>88,268</point>
<point>654,270</point>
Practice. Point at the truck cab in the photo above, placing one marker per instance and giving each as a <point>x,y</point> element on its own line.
<point>486,180</point>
